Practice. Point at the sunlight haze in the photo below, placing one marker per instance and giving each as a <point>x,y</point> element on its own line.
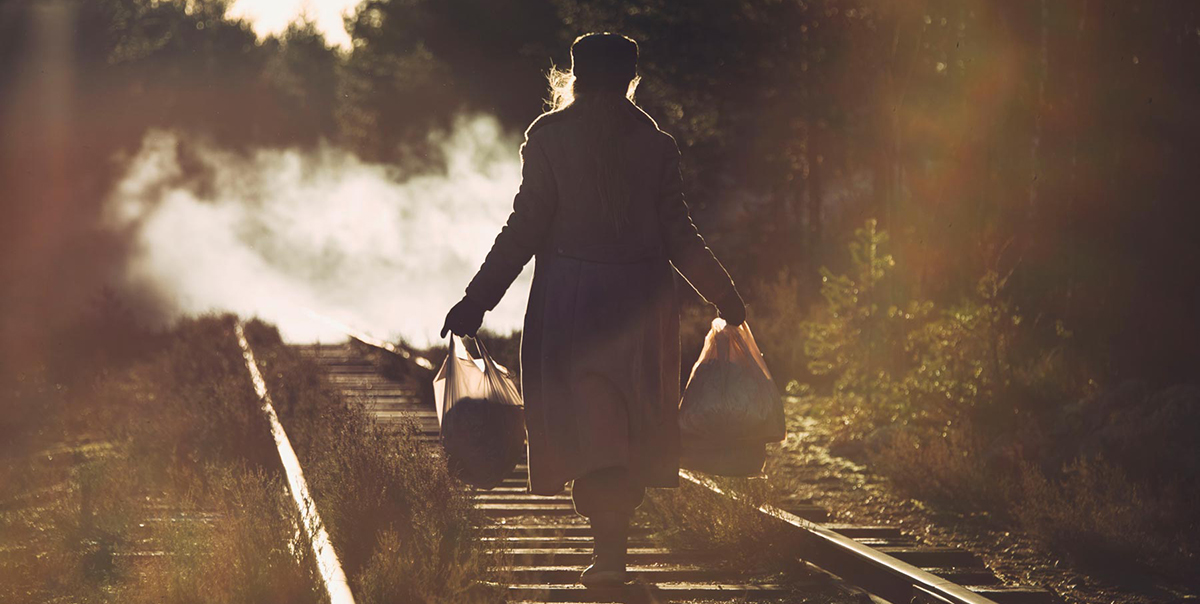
<point>272,16</point>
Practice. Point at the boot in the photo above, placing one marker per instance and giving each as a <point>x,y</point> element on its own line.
<point>611,534</point>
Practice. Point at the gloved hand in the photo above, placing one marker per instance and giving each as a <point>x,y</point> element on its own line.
<point>464,319</point>
<point>732,310</point>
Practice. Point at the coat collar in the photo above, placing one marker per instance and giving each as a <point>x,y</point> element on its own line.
<point>565,113</point>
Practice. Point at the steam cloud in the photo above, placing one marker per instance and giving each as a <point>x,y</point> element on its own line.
<point>274,233</point>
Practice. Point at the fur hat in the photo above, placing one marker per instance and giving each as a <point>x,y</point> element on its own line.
<point>604,60</point>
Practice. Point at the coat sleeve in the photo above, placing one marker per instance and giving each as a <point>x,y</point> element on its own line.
<point>685,247</point>
<point>524,233</point>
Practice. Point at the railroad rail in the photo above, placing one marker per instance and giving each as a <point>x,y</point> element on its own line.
<point>548,545</point>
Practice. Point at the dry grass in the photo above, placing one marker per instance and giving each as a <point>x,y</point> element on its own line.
<point>1091,510</point>
<point>404,529</point>
<point>114,473</point>
<point>1106,520</point>
<point>974,406</point>
<point>949,468</point>
<point>252,551</point>
<point>169,452</point>
<point>696,518</point>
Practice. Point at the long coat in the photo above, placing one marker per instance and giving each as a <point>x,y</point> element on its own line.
<point>600,348</point>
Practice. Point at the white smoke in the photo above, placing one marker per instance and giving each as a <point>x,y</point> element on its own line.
<point>275,233</point>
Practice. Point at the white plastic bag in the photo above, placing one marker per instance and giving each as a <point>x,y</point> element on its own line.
<point>481,415</point>
<point>730,407</point>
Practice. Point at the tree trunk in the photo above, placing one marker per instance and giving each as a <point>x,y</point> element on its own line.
<point>815,186</point>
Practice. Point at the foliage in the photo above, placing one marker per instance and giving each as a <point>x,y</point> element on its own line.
<point>915,363</point>
<point>973,407</point>
<point>303,71</point>
<point>797,120</point>
<point>856,343</point>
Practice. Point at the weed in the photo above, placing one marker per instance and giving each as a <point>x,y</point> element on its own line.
<point>251,551</point>
<point>405,530</point>
<point>1095,512</point>
<point>154,479</point>
<point>700,519</point>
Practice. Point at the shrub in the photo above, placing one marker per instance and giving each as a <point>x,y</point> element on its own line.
<point>914,365</point>
<point>1100,516</point>
<point>970,406</point>
<point>860,346</point>
<point>952,468</point>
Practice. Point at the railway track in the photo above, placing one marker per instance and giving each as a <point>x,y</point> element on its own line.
<point>547,544</point>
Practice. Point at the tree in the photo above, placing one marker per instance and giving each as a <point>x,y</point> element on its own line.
<point>301,72</point>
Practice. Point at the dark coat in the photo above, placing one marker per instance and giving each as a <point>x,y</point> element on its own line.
<point>600,349</point>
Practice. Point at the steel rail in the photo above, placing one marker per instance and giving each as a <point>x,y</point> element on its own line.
<point>371,340</point>
<point>333,577</point>
<point>875,572</point>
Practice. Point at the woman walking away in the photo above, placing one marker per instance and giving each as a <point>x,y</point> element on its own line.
<point>601,208</point>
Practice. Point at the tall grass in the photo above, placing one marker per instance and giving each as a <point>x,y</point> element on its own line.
<point>693,517</point>
<point>155,479</point>
<point>404,529</point>
<point>252,551</point>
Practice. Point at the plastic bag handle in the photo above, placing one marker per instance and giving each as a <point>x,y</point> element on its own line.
<point>722,347</point>
<point>744,342</point>
<point>456,342</point>
<point>486,357</point>
<point>498,378</point>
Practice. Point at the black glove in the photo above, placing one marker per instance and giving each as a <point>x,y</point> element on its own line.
<point>732,310</point>
<point>464,319</point>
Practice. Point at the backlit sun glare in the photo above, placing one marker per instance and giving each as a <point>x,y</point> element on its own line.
<point>272,16</point>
